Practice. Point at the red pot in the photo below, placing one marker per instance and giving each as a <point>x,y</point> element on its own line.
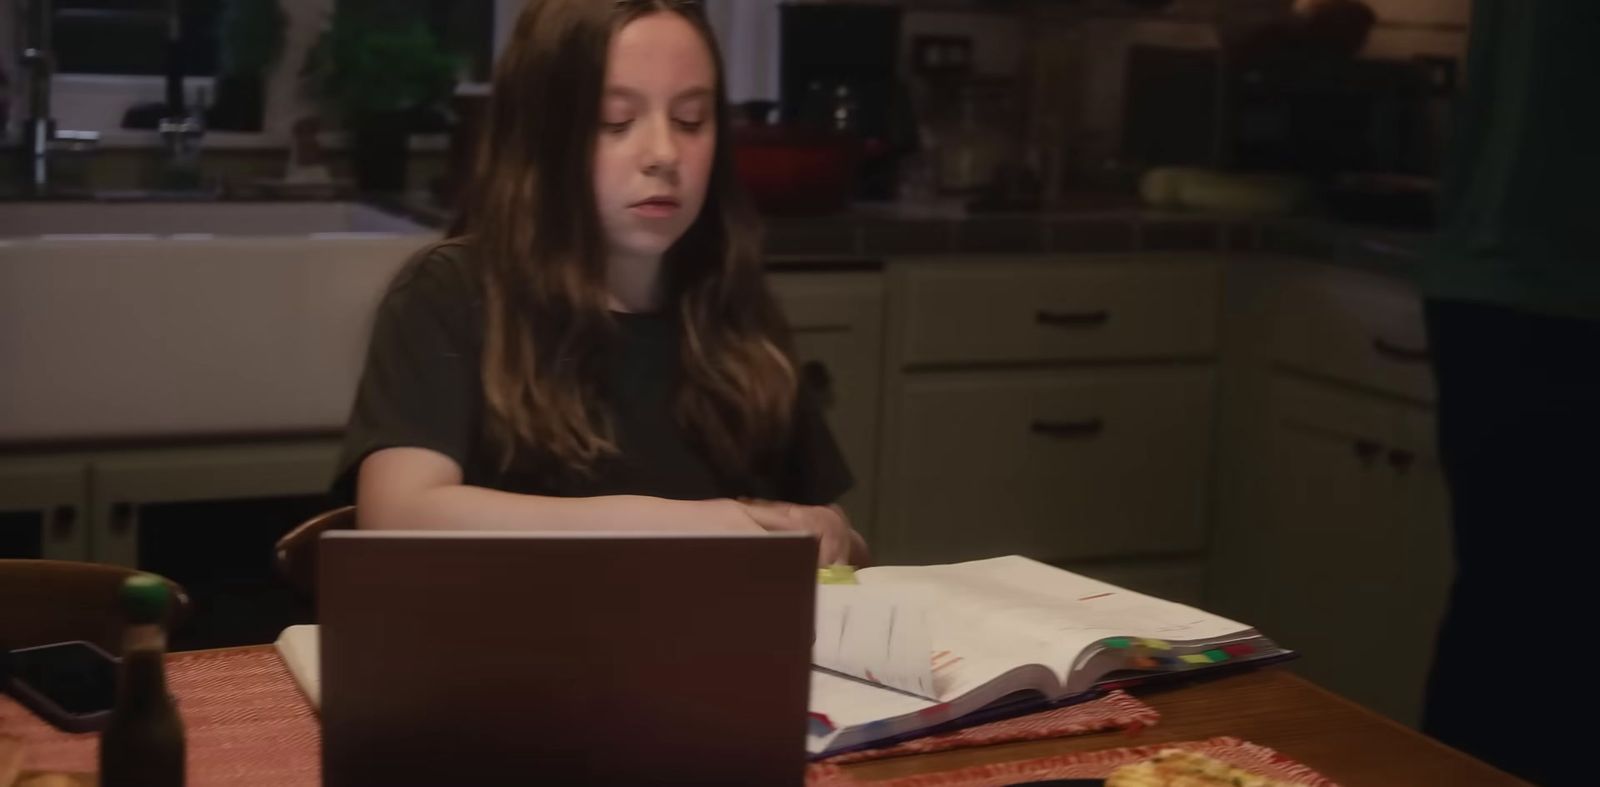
<point>790,171</point>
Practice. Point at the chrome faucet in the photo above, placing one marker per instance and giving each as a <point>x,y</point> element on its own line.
<point>182,127</point>
<point>181,136</point>
<point>40,135</point>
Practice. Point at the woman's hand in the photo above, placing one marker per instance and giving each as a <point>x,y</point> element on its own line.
<point>839,543</point>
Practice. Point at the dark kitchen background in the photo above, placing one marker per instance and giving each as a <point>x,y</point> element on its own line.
<point>1123,285</point>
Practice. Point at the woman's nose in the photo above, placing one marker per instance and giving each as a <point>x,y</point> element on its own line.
<point>660,146</point>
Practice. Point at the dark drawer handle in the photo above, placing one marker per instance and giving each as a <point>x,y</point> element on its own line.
<point>122,515</point>
<point>1070,430</point>
<point>63,519</point>
<point>1401,460</point>
<point>1395,352</point>
<point>1093,319</point>
<point>1367,451</point>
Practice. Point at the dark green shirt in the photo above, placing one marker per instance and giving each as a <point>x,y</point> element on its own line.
<point>421,388</point>
<point>1521,196</point>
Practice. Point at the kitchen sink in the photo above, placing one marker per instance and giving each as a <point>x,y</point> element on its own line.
<point>152,218</point>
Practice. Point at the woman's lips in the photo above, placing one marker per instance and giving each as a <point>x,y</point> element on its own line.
<point>655,207</point>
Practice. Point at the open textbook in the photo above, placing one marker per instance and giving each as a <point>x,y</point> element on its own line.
<point>913,648</point>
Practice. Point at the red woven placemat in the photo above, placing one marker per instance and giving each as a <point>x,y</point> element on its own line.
<point>245,719</point>
<point>1087,765</point>
<point>1115,711</point>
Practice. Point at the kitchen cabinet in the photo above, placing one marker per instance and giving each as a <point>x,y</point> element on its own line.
<point>206,516</point>
<point>1357,328</point>
<point>1332,534</point>
<point>128,483</point>
<point>1346,557</point>
<point>1058,407</point>
<point>1095,308</point>
<point>44,508</point>
<point>1057,465</point>
<point>837,321</point>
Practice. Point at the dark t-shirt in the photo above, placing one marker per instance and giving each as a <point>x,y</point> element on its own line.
<point>421,388</point>
<point>1518,198</point>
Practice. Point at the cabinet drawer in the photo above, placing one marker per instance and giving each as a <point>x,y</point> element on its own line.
<point>1350,533</point>
<point>837,323</point>
<point>43,503</point>
<point>987,312</point>
<point>124,482</point>
<point>1055,466</point>
<point>1357,328</point>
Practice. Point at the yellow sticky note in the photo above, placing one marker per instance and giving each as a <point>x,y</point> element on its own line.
<point>837,574</point>
<point>1157,644</point>
<point>1197,658</point>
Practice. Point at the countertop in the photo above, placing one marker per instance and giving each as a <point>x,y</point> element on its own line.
<point>870,233</point>
<point>867,234</point>
<point>122,341</point>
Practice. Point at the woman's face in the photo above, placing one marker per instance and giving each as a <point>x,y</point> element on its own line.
<point>657,135</point>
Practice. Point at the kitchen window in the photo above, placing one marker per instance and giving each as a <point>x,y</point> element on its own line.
<point>129,37</point>
<point>112,54</point>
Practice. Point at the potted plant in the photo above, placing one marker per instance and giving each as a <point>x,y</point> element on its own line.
<point>377,78</point>
<point>250,35</point>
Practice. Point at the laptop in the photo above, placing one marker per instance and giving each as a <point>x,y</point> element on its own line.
<point>478,658</point>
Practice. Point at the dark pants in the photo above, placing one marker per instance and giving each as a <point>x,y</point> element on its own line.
<point>1519,436</point>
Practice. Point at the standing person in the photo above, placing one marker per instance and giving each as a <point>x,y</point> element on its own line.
<point>1513,311</point>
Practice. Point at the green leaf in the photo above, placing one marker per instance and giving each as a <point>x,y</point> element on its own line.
<point>358,69</point>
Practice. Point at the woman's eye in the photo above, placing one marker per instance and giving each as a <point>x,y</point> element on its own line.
<point>616,127</point>
<point>690,126</point>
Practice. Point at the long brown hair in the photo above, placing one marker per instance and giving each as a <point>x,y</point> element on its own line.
<point>530,214</point>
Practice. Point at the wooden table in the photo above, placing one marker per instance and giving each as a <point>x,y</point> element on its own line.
<point>242,700</point>
<point>1272,707</point>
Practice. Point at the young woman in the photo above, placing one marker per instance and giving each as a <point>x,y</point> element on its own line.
<point>594,348</point>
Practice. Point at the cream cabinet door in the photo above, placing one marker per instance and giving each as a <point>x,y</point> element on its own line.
<point>1001,311</point>
<point>1059,466</point>
<point>123,482</point>
<point>1424,556</point>
<point>1347,561</point>
<point>43,508</point>
<point>1358,328</point>
<point>837,319</point>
